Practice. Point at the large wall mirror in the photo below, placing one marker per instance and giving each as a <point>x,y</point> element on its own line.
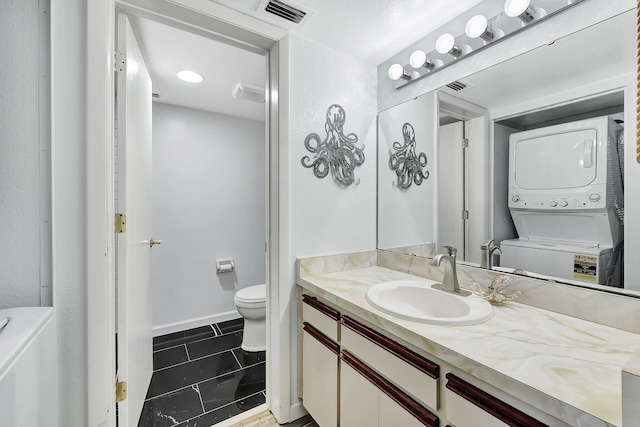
<point>526,157</point>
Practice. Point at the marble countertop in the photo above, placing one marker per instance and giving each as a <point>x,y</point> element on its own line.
<point>567,367</point>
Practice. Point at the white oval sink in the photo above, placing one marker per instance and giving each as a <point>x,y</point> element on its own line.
<point>415,300</point>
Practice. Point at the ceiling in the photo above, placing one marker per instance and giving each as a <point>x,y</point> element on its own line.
<point>372,30</point>
<point>167,50</point>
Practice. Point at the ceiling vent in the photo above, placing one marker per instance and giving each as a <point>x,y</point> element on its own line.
<point>285,11</point>
<point>248,92</point>
<point>285,14</point>
<point>458,85</point>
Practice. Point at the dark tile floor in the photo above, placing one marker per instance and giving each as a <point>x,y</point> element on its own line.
<point>202,376</point>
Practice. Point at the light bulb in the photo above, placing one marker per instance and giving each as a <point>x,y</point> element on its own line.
<point>419,59</point>
<point>514,8</point>
<point>478,26</point>
<point>190,76</point>
<point>446,43</point>
<point>397,72</point>
<point>523,10</point>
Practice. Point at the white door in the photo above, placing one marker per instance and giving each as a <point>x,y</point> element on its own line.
<point>135,347</point>
<point>451,227</point>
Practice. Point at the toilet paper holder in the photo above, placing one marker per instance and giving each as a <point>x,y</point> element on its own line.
<point>225,265</point>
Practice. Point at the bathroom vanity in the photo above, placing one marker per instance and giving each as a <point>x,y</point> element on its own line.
<point>526,366</point>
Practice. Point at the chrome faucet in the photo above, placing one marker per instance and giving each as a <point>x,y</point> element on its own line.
<point>450,281</point>
<point>488,249</point>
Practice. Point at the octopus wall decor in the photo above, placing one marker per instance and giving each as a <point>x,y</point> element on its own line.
<point>404,161</point>
<point>336,153</point>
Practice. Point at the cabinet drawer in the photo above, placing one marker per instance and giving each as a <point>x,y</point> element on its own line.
<point>321,316</point>
<point>394,407</point>
<point>469,406</point>
<point>320,360</point>
<point>405,368</point>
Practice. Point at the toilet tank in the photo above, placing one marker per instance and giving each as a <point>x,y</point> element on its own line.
<point>28,368</point>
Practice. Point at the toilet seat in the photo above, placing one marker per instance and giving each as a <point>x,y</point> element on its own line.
<point>252,295</point>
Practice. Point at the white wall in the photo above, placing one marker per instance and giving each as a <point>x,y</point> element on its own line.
<point>325,217</point>
<point>68,194</point>
<point>208,204</point>
<point>24,163</point>
<point>503,227</point>
<point>407,217</point>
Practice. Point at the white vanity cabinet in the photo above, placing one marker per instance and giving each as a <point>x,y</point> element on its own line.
<point>320,360</point>
<point>355,376</point>
<point>469,406</point>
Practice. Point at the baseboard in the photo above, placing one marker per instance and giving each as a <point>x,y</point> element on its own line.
<point>297,411</point>
<point>258,412</point>
<point>194,323</point>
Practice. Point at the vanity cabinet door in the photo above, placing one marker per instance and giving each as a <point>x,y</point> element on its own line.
<point>379,403</point>
<point>358,399</point>
<point>469,406</point>
<point>393,415</point>
<point>320,359</point>
<point>406,369</point>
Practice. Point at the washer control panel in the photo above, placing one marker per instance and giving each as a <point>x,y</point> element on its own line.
<point>593,200</point>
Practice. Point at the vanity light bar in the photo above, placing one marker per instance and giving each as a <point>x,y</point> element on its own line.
<point>479,33</point>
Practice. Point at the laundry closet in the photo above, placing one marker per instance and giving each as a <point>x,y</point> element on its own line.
<point>565,195</point>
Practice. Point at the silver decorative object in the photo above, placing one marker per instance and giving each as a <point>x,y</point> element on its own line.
<point>337,152</point>
<point>404,161</point>
<point>496,291</point>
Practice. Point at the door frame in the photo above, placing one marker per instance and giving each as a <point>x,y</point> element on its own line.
<point>477,163</point>
<point>214,21</point>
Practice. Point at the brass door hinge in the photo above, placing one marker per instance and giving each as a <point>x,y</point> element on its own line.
<point>121,223</point>
<point>465,143</point>
<point>121,391</point>
<point>465,214</point>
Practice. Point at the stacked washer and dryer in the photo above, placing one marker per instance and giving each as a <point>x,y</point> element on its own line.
<point>566,201</point>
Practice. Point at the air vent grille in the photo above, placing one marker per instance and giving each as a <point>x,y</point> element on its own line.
<point>285,11</point>
<point>457,86</point>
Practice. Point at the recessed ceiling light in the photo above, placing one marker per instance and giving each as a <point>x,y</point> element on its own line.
<point>190,76</point>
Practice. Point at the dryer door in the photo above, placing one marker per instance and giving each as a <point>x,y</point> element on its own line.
<point>559,161</point>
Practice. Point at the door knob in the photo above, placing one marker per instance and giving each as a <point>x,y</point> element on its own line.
<point>154,242</point>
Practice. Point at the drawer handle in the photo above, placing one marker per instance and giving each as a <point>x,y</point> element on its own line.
<point>483,400</point>
<point>414,408</point>
<point>322,338</point>
<point>412,358</point>
<point>321,307</point>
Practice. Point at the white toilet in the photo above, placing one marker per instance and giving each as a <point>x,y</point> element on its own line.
<point>251,303</point>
